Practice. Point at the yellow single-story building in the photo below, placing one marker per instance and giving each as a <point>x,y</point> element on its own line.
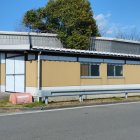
<point>34,61</point>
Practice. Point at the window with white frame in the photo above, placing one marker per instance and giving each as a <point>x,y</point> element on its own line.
<point>114,70</point>
<point>90,70</point>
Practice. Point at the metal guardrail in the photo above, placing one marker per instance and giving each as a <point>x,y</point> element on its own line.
<point>87,90</point>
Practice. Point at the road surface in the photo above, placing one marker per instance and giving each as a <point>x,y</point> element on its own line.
<point>111,122</point>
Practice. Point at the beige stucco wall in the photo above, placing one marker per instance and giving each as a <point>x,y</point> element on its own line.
<point>58,73</point>
<point>132,74</point>
<point>2,67</point>
<point>31,73</point>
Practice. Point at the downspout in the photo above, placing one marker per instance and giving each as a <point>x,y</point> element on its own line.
<point>38,75</point>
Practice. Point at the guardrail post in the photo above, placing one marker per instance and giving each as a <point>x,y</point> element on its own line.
<point>81,99</point>
<point>43,99</point>
<point>126,95</point>
<point>46,100</point>
<point>38,99</point>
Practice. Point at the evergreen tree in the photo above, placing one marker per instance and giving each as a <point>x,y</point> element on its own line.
<point>72,20</point>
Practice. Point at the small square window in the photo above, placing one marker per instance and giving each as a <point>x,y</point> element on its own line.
<point>90,70</point>
<point>118,71</point>
<point>84,70</point>
<point>94,70</point>
<point>110,70</point>
<point>114,70</point>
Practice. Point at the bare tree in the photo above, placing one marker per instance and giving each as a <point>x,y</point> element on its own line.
<point>129,35</point>
<point>20,27</point>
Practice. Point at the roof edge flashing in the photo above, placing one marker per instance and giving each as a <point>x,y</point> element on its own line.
<point>27,33</point>
<point>116,39</point>
<point>64,50</point>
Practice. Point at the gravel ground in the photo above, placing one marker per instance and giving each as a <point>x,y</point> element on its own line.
<point>4,94</point>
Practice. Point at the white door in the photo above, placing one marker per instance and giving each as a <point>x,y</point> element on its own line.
<point>10,74</point>
<point>15,74</point>
<point>10,83</point>
<point>19,74</point>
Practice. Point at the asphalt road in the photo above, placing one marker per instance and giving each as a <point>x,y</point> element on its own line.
<point>119,122</point>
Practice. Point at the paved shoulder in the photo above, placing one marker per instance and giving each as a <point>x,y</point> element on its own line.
<point>119,122</point>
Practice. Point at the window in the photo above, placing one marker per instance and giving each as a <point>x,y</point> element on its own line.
<point>90,70</point>
<point>84,69</point>
<point>94,70</point>
<point>114,70</point>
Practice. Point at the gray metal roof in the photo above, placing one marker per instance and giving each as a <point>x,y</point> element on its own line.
<point>27,33</point>
<point>25,40</point>
<point>117,40</point>
<point>115,45</point>
<point>86,52</point>
<point>46,41</point>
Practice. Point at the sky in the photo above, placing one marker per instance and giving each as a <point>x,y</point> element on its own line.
<point>112,16</point>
